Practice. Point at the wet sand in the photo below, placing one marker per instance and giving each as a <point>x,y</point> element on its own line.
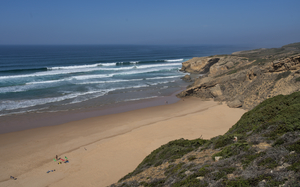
<point>19,122</point>
<point>103,149</point>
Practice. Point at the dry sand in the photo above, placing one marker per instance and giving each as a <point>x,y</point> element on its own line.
<point>103,149</point>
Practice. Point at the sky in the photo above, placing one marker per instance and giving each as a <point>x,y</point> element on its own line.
<point>261,23</point>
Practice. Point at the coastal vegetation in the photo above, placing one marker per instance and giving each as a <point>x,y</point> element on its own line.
<point>261,149</point>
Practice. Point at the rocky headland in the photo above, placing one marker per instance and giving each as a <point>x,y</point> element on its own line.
<point>261,149</point>
<point>246,78</point>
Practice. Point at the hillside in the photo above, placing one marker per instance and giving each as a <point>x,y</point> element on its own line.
<point>261,149</point>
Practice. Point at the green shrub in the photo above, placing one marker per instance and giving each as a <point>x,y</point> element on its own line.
<point>166,153</point>
<point>191,180</point>
<point>222,141</point>
<point>174,168</point>
<point>238,182</point>
<point>203,171</point>
<point>242,182</point>
<point>268,163</point>
<point>294,147</point>
<point>157,183</point>
<point>250,158</point>
<point>278,142</point>
<point>280,111</point>
<point>295,166</point>
<point>232,150</point>
<point>223,172</point>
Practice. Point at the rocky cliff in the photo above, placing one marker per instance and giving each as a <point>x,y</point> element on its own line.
<point>244,79</point>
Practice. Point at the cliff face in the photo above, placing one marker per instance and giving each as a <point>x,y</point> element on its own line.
<point>212,65</point>
<point>245,80</point>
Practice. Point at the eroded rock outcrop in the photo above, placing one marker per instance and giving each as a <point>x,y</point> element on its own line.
<point>246,85</point>
<point>187,78</point>
<point>198,64</point>
<point>292,63</point>
<point>224,64</point>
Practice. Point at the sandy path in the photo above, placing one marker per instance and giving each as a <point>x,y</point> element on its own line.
<point>103,149</point>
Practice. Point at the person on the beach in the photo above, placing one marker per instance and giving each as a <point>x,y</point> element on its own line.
<point>56,157</point>
<point>166,102</point>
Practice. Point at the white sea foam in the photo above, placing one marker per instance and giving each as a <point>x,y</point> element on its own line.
<point>137,99</point>
<point>111,81</point>
<point>84,77</point>
<point>74,67</point>
<point>81,66</point>
<point>174,60</point>
<point>31,86</point>
<point>18,104</point>
<point>109,64</point>
<point>157,83</point>
<point>119,69</point>
<point>144,71</point>
<point>46,73</point>
<point>63,70</point>
<point>22,88</point>
<point>169,77</point>
<point>47,82</point>
<point>92,95</point>
<point>158,65</point>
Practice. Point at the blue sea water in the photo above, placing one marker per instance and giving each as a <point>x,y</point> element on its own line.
<point>61,78</point>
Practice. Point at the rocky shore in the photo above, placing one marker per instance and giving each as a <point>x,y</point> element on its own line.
<point>245,79</point>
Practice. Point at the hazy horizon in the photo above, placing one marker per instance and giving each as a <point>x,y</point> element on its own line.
<point>133,22</point>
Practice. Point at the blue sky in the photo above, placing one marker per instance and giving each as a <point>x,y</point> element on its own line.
<point>262,23</point>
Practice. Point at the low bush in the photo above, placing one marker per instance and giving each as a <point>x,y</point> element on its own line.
<point>232,150</point>
<point>246,161</point>
<point>295,166</point>
<point>294,147</point>
<point>280,111</point>
<point>167,153</point>
<point>268,163</point>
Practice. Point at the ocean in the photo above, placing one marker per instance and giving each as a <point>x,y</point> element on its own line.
<point>41,79</point>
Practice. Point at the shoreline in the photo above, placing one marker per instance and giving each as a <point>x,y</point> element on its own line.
<point>103,149</point>
<point>20,122</point>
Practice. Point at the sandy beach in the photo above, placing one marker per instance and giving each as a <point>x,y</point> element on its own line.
<point>103,149</point>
